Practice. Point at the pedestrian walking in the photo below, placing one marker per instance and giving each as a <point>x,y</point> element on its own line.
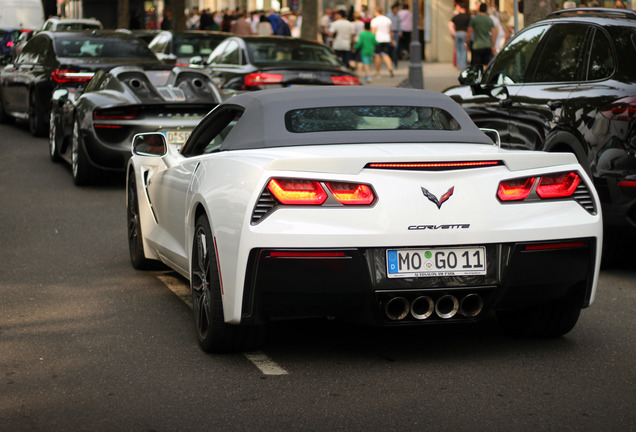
<point>366,47</point>
<point>483,32</point>
<point>341,31</point>
<point>381,26</point>
<point>458,26</point>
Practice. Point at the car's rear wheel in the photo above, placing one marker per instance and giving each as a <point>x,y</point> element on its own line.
<point>80,166</point>
<point>54,145</point>
<point>214,334</point>
<point>135,240</point>
<point>548,320</point>
<point>37,119</point>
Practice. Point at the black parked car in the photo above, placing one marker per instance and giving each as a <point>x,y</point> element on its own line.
<point>179,48</point>
<point>568,83</point>
<point>261,62</point>
<point>62,59</point>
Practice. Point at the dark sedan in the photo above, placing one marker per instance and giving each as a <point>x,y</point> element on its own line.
<point>568,83</point>
<point>179,48</point>
<point>257,63</point>
<point>62,59</point>
<point>92,130</point>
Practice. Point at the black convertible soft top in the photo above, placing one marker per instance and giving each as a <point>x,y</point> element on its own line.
<point>262,123</point>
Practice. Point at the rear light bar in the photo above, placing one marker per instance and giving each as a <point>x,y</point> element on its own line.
<point>433,165</point>
<point>262,78</point>
<point>312,192</point>
<point>344,80</point>
<point>627,183</point>
<point>560,185</point>
<point>622,109</point>
<point>64,76</point>
<point>126,113</point>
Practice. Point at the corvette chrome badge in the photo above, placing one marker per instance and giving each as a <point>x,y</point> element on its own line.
<point>438,202</point>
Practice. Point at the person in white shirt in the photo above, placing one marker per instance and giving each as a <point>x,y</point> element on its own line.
<point>341,30</point>
<point>381,26</point>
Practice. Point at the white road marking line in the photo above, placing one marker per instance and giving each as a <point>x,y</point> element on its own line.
<point>265,364</point>
<point>177,286</point>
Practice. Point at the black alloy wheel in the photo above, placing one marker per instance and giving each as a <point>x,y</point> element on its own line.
<point>135,240</point>
<point>54,144</point>
<point>213,333</point>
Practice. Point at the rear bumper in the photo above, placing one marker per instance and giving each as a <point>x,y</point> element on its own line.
<point>355,285</point>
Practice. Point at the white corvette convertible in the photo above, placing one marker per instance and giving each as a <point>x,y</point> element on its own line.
<point>383,205</point>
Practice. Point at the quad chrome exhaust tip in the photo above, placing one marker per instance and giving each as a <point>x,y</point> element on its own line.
<point>424,307</point>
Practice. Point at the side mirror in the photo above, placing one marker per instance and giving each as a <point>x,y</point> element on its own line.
<point>470,76</point>
<point>196,61</point>
<point>151,144</point>
<point>59,96</point>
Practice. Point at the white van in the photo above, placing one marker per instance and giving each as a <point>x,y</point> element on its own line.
<point>21,14</point>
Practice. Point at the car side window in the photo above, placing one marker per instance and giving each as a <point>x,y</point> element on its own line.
<point>32,51</point>
<point>511,64</point>
<point>215,56</point>
<point>209,136</point>
<point>561,54</point>
<point>602,61</point>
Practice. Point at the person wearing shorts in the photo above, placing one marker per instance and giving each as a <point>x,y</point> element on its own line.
<point>381,26</point>
<point>366,47</point>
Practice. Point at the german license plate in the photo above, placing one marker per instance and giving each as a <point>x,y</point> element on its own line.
<point>435,262</point>
<point>176,137</point>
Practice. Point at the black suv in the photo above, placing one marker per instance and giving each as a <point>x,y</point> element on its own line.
<point>568,83</point>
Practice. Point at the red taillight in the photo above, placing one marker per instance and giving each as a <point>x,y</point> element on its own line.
<point>127,113</point>
<point>561,185</point>
<point>622,109</point>
<point>515,190</point>
<point>558,186</point>
<point>262,78</point>
<point>627,183</point>
<point>64,76</point>
<point>344,80</point>
<point>351,193</point>
<point>552,246</point>
<point>296,191</point>
<point>9,44</point>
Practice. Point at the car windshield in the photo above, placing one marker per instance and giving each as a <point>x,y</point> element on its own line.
<point>102,46</point>
<point>196,44</point>
<point>351,118</point>
<point>296,52</point>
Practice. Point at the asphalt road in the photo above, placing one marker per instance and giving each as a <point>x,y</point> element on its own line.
<point>88,343</point>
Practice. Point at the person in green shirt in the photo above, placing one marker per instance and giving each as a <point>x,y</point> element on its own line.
<point>366,45</point>
<point>483,32</point>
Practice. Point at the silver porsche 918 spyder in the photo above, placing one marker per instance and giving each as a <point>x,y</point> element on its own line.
<point>91,129</point>
<point>388,206</point>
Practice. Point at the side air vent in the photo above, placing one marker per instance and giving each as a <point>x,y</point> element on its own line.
<point>265,204</point>
<point>583,196</point>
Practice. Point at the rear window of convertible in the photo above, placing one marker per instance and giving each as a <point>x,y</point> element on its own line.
<point>331,119</point>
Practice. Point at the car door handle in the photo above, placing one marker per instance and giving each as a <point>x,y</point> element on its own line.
<point>554,105</point>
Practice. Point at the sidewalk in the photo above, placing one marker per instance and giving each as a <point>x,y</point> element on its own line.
<point>437,76</point>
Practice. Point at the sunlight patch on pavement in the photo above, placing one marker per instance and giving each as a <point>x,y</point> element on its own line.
<point>265,364</point>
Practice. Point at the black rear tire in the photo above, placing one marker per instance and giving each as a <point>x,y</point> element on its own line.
<point>81,168</point>
<point>37,119</point>
<point>214,334</point>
